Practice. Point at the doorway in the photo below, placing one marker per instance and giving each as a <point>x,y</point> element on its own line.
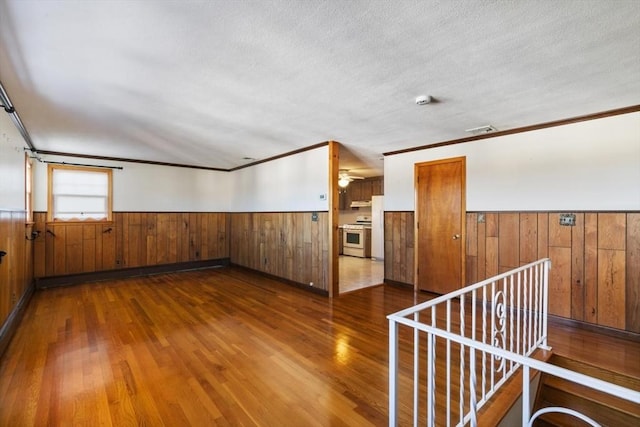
<point>440,225</point>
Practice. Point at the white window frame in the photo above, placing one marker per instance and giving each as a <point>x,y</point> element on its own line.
<point>51,208</point>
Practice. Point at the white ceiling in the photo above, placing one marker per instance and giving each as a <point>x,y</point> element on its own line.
<point>209,83</point>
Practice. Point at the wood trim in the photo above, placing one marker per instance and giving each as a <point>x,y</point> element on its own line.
<point>123,273</point>
<point>398,284</point>
<point>123,159</point>
<point>562,122</point>
<point>333,281</point>
<point>283,280</point>
<point>279,156</point>
<point>178,165</point>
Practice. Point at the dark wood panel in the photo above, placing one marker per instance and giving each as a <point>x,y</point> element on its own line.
<point>399,247</point>
<point>508,240</point>
<point>39,247</point>
<point>16,275</point>
<point>133,239</point>
<point>560,281</point>
<point>482,250</point>
<point>543,235</point>
<point>471,264</point>
<point>89,248</point>
<point>611,231</point>
<point>577,269</point>
<point>289,245</point>
<point>611,288</point>
<point>528,237</point>
<point>559,235</point>
<point>591,267</point>
<point>632,294</point>
<point>58,240</point>
<point>584,269</point>
<point>491,223</point>
<point>491,261</point>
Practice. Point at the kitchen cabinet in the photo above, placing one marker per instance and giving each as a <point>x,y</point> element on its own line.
<point>361,190</point>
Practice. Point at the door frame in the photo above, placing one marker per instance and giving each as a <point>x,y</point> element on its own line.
<point>463,208</point>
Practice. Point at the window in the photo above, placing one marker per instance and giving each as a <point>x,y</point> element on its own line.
<point>79,194</point>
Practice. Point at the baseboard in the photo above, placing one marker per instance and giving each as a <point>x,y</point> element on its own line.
<point>605,330</point>
<point>123,273</point>
<point>13,320</point>
<point>283,280</point>
<point>398,284</point>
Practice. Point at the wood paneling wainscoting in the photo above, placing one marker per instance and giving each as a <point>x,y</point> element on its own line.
<point>289,245</point>
<point>132,239</point>
<point>595,275</point>
<point>16,272</point>
<point>399,247</point>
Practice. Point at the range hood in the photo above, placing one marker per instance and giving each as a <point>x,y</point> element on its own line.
<point>361,204</point>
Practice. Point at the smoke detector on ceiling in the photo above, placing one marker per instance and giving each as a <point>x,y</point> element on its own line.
<point>481,130</point>
<point>423,100</point>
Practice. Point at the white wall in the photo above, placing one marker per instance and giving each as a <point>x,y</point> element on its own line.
<point>591,165</point>
<point>292,183</point>
<point>151,188</point>
<point>289,184</point>
<point>12,184</point>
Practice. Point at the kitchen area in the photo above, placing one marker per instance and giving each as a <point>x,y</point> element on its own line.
<point>361,234</point>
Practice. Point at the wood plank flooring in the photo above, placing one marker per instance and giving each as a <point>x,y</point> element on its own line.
<point>210,347</point>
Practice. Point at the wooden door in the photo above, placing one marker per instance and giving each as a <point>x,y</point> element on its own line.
<point>440,220</point>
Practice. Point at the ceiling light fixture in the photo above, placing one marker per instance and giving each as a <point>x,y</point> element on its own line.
<point>343,182</point>
<point>344,178</point>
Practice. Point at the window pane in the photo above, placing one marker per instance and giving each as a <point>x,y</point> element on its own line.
<point>80,182</point>
<point>68,204</point>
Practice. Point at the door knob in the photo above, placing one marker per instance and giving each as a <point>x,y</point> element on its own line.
<point>456,236</point>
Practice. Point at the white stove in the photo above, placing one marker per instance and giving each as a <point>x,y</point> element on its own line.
<point>355,238</point>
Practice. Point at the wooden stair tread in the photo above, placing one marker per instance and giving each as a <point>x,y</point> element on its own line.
<point>602,412</point>
<point>622,379</point>
<point>606,409</point>
<point>592,395</point>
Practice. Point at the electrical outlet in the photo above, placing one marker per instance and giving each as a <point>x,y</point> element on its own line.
<point>323,196</point>
<point>568,219</point>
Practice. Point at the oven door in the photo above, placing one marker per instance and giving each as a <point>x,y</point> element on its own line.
<point>353,239</point>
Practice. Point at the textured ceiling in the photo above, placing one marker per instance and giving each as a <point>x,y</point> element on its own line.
<point>210,83</point>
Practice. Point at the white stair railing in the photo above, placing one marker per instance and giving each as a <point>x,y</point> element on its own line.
<point>495,325</point>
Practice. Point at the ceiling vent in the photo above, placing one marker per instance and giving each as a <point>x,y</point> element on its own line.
<point>481,130</point>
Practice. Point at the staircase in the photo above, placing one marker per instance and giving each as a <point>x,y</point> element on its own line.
<point>605,409</point>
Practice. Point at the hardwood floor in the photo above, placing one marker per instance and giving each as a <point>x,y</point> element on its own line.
<point>210,347</point>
